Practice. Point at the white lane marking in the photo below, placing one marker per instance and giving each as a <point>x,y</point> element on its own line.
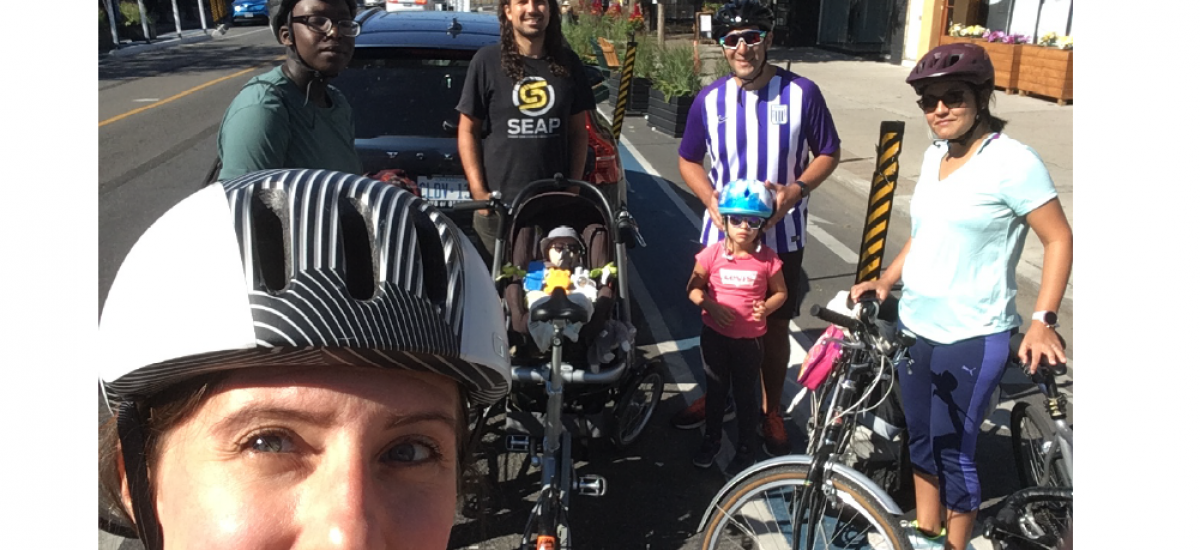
<point>146,100</point>
<point>672,346</point>
<point>842,251</point>
<point>677,368</point>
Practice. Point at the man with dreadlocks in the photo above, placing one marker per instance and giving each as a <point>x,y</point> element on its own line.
<point>290,117</point>
<point>523,109</point>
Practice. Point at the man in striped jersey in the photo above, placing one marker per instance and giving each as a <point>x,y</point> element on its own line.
<point>760,122</point>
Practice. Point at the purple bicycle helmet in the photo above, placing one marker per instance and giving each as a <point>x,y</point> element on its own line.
<point>966,62</point>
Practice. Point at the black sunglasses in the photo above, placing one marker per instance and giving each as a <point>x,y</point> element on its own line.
<point>346,27</point>
<point>733,39</point>
<point>753,222</point>
<point>953,100</point>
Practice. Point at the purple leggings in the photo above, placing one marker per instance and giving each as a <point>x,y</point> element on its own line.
<point>946,390</point>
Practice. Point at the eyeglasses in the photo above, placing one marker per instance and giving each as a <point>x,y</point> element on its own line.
<point>732,40</point>
<point>560,247</point>
<point>952,98</point>
<point>345,27</point>
<point>753,222</point>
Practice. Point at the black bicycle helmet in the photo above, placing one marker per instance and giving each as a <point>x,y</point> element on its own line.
<point>966,62</point>
<point>742,13</point>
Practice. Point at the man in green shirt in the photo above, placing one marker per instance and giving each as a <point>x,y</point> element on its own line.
<point>290,117</point>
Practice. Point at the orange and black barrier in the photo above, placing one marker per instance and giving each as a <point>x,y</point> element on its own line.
<point>880,201</point>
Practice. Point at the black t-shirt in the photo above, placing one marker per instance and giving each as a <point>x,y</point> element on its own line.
<point>525,123</point>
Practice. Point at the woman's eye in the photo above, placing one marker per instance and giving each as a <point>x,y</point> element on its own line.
<point>271,443</point>
<point>410,451</point>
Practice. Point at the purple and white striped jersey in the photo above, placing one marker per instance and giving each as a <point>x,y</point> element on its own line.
<point>768,134</point>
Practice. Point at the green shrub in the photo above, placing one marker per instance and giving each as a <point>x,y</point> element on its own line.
<point>130,14</point>
<point>676,74</point>
<point>646,62</point>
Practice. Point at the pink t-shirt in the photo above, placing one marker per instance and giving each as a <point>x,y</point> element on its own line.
<point>737,283</point>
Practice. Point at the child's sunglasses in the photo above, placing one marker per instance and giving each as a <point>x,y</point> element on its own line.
<point>751,38</point>
<point>953,100</point>
<point>753,222</point>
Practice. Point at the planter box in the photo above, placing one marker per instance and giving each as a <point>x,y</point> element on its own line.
<point>1006,58</point>
<point>669,117</point>
<point>1046,72</point>
<point>639,93</point>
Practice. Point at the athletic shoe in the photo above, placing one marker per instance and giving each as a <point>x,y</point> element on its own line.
<point>775,440</point>
<point>743,459</point>
<point>693,416</point>
<point>920,541</point>
<point>709,447</point>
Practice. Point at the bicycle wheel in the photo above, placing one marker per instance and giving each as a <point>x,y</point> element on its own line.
<point>758,512</point>
<point>636,405</point>
<point>1032,437</point>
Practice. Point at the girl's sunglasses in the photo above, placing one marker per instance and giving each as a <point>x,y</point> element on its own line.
<point>732,40</point>
<point>953,100</point>
<point>753,222</point>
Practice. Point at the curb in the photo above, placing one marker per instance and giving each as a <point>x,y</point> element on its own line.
<point>196,36</point>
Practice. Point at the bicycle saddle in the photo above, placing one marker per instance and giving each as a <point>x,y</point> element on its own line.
<point>558,307</point>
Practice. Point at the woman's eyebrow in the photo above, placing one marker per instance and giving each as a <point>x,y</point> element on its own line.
<point>406,419</point>
<point>258,413</point>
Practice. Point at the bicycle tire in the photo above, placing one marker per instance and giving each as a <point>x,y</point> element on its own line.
<point>629,418</point>
<point>1032,434</point>
<point>755,514</point>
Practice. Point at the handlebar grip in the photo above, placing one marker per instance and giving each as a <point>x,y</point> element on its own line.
<point>1014,346</point>
<point>471,205</point>
<point>832,317</point>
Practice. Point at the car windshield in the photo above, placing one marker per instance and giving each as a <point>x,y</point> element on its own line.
<point>404,92</point>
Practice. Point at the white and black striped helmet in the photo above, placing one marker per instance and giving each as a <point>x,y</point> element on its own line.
<point>289,267</point>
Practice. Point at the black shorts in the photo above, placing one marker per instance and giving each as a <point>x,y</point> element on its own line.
<point>796,281</point>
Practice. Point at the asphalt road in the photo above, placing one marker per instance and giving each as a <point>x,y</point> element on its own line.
<point>152,158</point>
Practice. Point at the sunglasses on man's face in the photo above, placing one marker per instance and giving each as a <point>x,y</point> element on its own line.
<point>753,222</point>
<point>732,40</point>
<point>953,99</point>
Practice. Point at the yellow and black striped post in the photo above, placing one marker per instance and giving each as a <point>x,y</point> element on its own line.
<point>879,205</point>
<point>623,89</point>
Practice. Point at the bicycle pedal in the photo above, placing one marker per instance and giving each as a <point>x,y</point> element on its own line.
<point>517,443</point>
<point>591,485</point>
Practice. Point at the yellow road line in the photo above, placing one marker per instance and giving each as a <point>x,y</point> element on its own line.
<point>185,92</point>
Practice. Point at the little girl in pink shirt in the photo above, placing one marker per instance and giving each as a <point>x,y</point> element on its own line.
<point>737,283</point>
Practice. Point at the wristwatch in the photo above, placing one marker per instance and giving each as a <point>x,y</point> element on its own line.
<point>1049,318</point>
<point>803,188</point>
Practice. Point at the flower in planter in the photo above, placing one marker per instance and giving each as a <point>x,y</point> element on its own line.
<point>1066,42</point>
<point>597,7</point>
<point>1016,39</point>
<point>995,36</point>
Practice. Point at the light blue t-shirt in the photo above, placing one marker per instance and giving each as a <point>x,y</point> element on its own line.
<point>960,276</point>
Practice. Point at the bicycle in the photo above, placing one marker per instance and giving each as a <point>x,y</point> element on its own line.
<point>816,500</point>
<point>1039,515</point>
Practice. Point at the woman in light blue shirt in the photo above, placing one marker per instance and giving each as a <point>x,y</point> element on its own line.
<point>978,195</point>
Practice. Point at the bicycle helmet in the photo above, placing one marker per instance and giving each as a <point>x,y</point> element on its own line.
<point>966,62</point>
<point>286,267</point>
<point>746,197</point>
<point>742,13</point>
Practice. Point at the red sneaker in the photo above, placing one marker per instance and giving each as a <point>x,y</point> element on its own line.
<point>775,440</point>
<point>693,416</point>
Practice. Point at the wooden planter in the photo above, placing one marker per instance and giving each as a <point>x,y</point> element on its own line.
<point>1006,58</point>
<point>1046,72</point>
<point>639,93</point>
<point>669,117</point>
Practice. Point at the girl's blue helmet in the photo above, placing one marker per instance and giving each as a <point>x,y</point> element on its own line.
<point>747,198</point>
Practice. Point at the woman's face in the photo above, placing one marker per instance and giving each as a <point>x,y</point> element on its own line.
<point>330,52</point>
<point>313,457</point>
<point>950,108</point>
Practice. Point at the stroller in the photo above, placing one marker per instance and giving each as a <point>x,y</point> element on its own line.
<point>609,392</point>
<point>576,374</point>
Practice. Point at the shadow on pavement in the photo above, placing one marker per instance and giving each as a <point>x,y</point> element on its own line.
<point>214,56</point>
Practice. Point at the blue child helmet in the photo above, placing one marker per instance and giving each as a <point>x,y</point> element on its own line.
<point>746,197</point>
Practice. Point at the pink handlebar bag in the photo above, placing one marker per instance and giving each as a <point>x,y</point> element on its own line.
<point>819,362</point>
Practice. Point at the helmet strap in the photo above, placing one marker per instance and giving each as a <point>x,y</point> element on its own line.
<point>315,75</point>
<point>968,135</point>
<point>131,428</point>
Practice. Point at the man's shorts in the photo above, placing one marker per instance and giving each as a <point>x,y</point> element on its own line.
<point>796,281</point>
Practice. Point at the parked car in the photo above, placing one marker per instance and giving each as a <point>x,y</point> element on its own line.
<point>249,11</point>
<point>373,3</point>
<point>404,84</point>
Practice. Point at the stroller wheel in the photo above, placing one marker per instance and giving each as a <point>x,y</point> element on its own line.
<point>636,406</point>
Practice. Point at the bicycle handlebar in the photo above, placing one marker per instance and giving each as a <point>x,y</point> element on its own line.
<point>1014,346</point>
<point>471,205</point>
<point>833,317</point>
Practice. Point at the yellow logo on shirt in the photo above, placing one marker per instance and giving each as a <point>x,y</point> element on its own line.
<point>533,95</point>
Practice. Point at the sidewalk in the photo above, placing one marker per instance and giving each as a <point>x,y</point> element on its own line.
<point>861,94</point>
<point>165,40</point>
